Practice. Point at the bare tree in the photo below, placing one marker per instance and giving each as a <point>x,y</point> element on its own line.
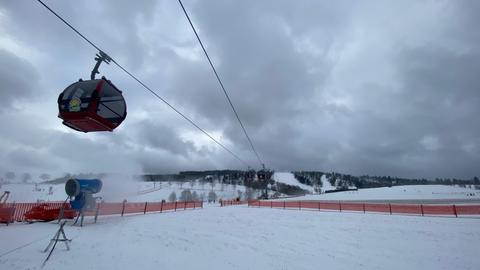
<point>45,176</point>
<point>212,184</point>
<point>240,193</point>
<point>212,196</point>
<point>249,193</point>
<point>186,195</point>
<point>26,177</point>
<point>194,196</point>
<point>10,175</point>
<point>172,197</point>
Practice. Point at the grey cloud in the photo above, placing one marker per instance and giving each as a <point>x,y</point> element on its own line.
<point>18,79</point>
<point>364,89</point>
<point>162,137</point>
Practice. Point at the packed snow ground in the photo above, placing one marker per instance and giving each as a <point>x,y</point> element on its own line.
<point>257,238</point>
<point>413,192</point>
<point>289,179</point>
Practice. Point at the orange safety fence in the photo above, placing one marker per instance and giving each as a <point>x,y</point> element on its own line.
<point>412,209</point>
<point>11,212</point>
<point>20,209</point>
<point>232,202</point>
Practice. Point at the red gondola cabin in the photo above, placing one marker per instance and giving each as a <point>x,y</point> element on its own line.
<point>92,105</point>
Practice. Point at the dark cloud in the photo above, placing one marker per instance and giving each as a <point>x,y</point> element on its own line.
<point>161,137</point>
<point>365,89</point>
<point>18,79</point>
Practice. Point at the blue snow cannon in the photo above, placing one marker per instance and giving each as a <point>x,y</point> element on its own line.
<point>82,190</point>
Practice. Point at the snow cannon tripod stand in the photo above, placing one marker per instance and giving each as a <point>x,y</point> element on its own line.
<point>56,238</point>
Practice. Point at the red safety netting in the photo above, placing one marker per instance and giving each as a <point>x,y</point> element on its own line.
<point>292,204</point>
<point>352,207</point>
<point>131,208</point>
<point>377,207</point>
<point>438,210</point>
<point>467,209</point>
<point>6,214</point>
<point>329,206</point>
<point>10,212</point>
<point>231,202</point>
<point>414,209</point>
<point>20,209</point>
<point>407,209</point>
<point>110,209</point>
<point>170,206</point>
<point>308,205</point>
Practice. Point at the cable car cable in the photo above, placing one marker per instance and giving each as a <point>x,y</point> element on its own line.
<point>143,84</point>
<point>220,82</point>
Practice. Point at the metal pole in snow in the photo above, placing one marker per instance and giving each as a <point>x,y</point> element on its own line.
<point>123,207</point>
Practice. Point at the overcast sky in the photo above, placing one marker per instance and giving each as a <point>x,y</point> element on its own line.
<point>360,87</point>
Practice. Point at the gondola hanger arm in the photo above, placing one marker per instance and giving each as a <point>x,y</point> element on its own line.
<point>100,57</point>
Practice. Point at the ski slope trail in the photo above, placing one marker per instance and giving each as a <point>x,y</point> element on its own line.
<point>399,193</point>
<point>239,237</point>
<point>289,179</point>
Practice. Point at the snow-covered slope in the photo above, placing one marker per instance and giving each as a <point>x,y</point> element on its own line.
<point>326,185</point>
<point>239,237</point>
<point>117,189</point>
<point>400,193</point>
<point>289,179</point>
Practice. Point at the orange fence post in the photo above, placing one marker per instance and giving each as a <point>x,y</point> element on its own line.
<point>319,206</point>
<point>340,206</point>
<point>185,205</point>
<point>455,210</point>
<point>364,208</point>
<point>175,206</point>
<point>283,204</point>
<point>145,208</point>
<point>421,208</point>
<point>390,207</point>
<point>299,205</point>
<point>123,207</point>
<point>271,204</point>
<point>13,213</point>
<point>161,207</point>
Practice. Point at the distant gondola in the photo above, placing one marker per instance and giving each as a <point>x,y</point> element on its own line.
<point>264,174</point>
<point>92,105</point>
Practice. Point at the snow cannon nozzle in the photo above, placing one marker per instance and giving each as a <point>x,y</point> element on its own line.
<point>73,187</point>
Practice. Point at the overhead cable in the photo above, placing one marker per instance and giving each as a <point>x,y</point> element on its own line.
<point>221,84</point>
<point>146,87</point>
